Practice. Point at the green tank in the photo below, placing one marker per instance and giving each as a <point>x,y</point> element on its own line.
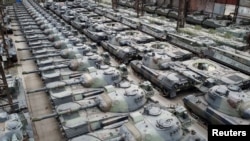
<point>154,122</point>
<point>76,64</point>
<point>222,104</point>
<point>93,78</point>
<point>110,108</point>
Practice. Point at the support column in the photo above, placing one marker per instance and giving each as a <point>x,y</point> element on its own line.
<point>181,14</point>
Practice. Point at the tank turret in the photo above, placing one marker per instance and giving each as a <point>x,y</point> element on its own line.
<point>222,104</point>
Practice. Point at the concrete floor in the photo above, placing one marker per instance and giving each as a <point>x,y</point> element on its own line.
<point>38,103</point>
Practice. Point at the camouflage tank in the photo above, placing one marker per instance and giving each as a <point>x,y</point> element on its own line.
<point>208,69</point>
<point>130,3</point>
<point>64,55</point>
<point>47,4</point>
<point>70,14</point>
<point>114,15</point>
<point>226,51</point>
<point>163,48</point>
<point>195,44</point>
<point>11,49</point>
<point>131,21</point>
<point>163,11</point>
<point>196,18</point>
<point>6,23</point>
<point>156,29</point>
<point>74,4</point>
<point>60,10</point>
<point>237,31</point>
<point>110,108</point>
<point>155,122</point>
<point>122,2</point>
<point>54,6</point>
<point>93,78</point>
<point>13,127</point>
<point>155,68</point>
<point>214,23</point>
<point>233,58</point>
<point>222,104</point>
<point>80,21</point>
<point>120,45</point>
<point>49,73</point>
<point>89,5</point>
<point>100,31</point>
<point>151,6</point>
<point>97,19</point>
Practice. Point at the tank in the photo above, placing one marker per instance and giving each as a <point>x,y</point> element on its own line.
<point>14,127</point>
<point>159,28</point>
<point>131,21</point>
<point>93,78</point>
<point>155,68</point>
<point>221,104</point>
<point>214,23</point>
<point>80,21</point>
<point>100,31</point>
<point>238,31</point>
<point>163,48</point>
<point>120,45</point>
<point>75,4</point>
<point>47,4</point>
<point>228,56</point>
<point>60,10</point>
<point>222,75</point>
<point>67,51</point>
<point>70,14</point>
<point>195,44</point>
<point>11,48</point>
<point>231,53</point>
<point>60,69</point>
<point>98,19</point>
<point>154,122</point>
<point>109,108</point>
<point>114,15</point>
<point>196,18</point>
<point>163,11</point>
<point>5,24</point>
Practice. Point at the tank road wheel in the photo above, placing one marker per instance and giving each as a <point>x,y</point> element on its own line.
<point>165,93</point>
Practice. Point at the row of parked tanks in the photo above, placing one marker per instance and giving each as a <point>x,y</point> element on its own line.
<point>109,101</point>
<point>92,95</point>
<point>168,9</point>
<point>226,45</point>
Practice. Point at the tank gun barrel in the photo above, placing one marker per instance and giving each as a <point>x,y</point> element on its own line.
<point>45,51</point>
<point>58,61</point>
<point>46,69</point>
<point>40,57</point>
<point>32,39</point>
<point>34,47</point>
<point>26,24</point>
<point>56,84</point>
<point>68,111</point>
<point>37,90</point>
<point>32,32</point>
